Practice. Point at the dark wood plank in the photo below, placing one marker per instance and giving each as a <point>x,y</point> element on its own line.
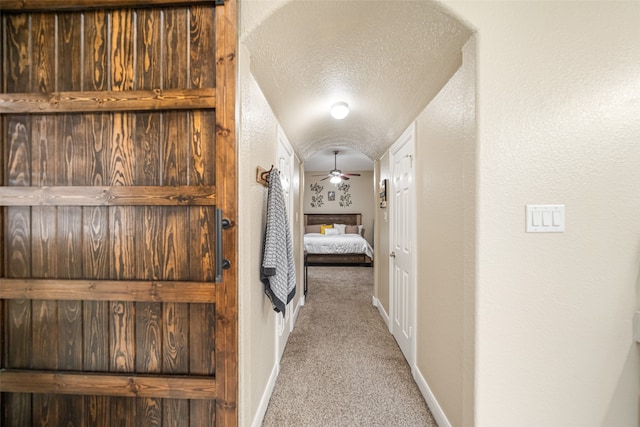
<point>227,304</point>
<point>96,410</point>
<point>148,49</point>
<point>122,345</point>
<point>121,56</point>
<point>162,386</point>
<point>202,243</point>
<point>17,410</point>
<point>175,411</point>
<point>108,196</point>
<point>96,60</point>
<point>71,414</point>
<point>96,322</point>
<point>149,412</point>
<point>108,290</point>
<point>175,167</point>
<point>123,412</point>
<point>202,339</point>
<point>45,335</point>
<point>202,72</point>
<point>202,170</point>
<point>175,340</point>
<point>45,409</point>
<point>43,58</point>
<point>203,413</point>
<point>18,44</point>
<point>175,53</point>
<point>30,5</point>
<point>101,101</point>
<point>69,49</point>
<point>330,218</point>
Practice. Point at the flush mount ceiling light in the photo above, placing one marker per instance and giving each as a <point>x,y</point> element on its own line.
<point>340,110</point>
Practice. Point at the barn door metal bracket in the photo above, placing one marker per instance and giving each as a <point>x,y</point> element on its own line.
<point>219,3</point>
<point>221,263</point>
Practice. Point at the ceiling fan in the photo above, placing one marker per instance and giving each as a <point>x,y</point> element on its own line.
<point>336,174</point>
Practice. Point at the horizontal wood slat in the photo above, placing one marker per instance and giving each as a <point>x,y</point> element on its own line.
<point>108,290</point>
<point>108,196</point>
<point>165,386</point>
<point>101,101</point>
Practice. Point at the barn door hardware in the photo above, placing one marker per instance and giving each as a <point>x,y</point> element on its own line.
<point>219,3</point>
<point>221,263</point>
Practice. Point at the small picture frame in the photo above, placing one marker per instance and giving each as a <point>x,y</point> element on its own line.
<point>331,196</point>
<point>383,193</point>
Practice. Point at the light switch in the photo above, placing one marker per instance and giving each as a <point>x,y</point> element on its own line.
<point>545,218</point>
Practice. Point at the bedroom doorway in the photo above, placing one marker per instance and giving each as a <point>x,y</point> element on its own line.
<point>402,257</point>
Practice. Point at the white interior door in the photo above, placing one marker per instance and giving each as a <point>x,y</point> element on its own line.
<point>402,245</point>
<point>285,165</point>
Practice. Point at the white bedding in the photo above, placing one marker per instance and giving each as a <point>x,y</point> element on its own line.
<point>316,243</point>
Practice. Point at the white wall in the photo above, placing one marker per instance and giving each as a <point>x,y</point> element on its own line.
<point>558,123</point>
<point>445,188</point>
<point>257,146</point>
<point>382,243</point>
<point>361,195</point>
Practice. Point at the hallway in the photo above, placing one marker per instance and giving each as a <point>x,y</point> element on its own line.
<point>341,367</point>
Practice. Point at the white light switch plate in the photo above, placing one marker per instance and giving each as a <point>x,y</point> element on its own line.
<point>545,218</point>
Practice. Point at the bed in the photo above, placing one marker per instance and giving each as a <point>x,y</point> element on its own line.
<point>336,247</point>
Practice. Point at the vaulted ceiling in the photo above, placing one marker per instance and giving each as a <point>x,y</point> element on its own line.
<point>386,59</point>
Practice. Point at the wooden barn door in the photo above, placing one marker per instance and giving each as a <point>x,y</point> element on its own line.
<point>117,166</point>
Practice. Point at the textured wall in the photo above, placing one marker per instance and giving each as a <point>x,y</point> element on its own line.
<point>559,122</point>
<point>445,193</point>
<point>257,142</point>
<point>382,244</point>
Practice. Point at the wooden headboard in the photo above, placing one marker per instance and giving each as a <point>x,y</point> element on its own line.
<point>349,219</point>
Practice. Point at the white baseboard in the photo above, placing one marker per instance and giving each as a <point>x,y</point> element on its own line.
<point>266,396</point>
<point>296,311</point>
<point>432,403</point>
<point>383,314</point>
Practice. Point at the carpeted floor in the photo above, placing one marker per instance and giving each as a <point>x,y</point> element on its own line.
<point>341,367</point>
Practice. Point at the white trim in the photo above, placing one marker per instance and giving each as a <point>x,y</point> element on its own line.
<point>432,402</point>
<point>385,317</point>
<point>266,396</point>
<point>294,317</point>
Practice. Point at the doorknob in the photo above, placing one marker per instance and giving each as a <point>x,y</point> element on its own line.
<point>392,254</point>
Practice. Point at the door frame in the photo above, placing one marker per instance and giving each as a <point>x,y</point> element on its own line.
<point>407,137</point>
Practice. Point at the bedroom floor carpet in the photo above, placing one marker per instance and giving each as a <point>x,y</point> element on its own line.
<point>341,366</point>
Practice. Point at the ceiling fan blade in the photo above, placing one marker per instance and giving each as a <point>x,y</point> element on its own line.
<point>351,174</point>
<point>324,174</point>
<point>326,177</point>
<point>344,177</point>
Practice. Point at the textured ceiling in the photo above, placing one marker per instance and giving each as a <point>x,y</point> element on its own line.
<point>386,59</point>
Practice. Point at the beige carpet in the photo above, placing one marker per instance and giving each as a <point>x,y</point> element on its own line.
<point>341,367</point>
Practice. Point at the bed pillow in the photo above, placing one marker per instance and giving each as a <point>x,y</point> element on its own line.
<point>341,228</point>
<point>324,227</point>
<point>331,231</point>
<point>351,229</point>
<point>312,229</point>
<point>361,230</point>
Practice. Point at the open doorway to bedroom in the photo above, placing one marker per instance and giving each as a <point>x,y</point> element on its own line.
<point>339,194</point>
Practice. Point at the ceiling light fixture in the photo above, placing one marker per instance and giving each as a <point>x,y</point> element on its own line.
<point>340,110</point>
<point>335,179</point>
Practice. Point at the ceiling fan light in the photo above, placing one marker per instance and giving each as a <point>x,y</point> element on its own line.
<point>340,110</point>
<point>335,179</point>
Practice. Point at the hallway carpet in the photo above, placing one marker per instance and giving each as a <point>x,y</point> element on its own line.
<point>341,367</point>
